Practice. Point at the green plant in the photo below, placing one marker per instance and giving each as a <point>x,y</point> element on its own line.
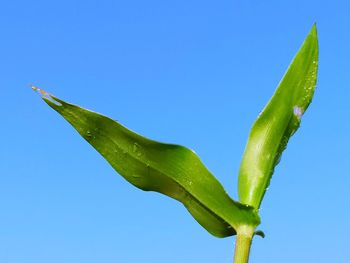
<point>177,172</point>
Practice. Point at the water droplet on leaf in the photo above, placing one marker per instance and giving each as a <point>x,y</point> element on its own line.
<point>137,149</point>
<point>298,112</point>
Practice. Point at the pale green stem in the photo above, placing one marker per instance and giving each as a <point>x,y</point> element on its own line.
<point>243,242</point>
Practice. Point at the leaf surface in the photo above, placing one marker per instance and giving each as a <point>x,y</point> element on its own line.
<point>278,122</point>
<point>169,169</point>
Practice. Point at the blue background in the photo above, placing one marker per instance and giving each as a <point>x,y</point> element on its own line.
<point>191,72</point>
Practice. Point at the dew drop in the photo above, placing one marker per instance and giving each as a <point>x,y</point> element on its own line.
<point>298,112</point>
<point>137,149</point>
<point>90,135</point>
<point>136,177</point>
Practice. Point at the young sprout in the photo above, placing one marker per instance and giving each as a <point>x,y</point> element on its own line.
<point>177,172</point>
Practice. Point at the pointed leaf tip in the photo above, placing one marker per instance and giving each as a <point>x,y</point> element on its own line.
<point>314,26</point>
<point>34,88</point>
<point>46,96</point>
<point>313,30</point>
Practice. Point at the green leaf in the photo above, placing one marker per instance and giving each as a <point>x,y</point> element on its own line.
<point>169,169</point>
<point>278,122</point>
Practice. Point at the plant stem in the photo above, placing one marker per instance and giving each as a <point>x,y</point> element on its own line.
<point>243,242</point>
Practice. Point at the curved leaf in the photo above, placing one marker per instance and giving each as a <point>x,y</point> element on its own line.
<point>169,169</point>
<point>278,122</point>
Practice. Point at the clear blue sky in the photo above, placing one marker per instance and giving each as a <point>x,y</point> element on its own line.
<point>191,72</point>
